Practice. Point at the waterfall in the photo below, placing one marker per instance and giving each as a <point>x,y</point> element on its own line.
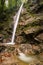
<point>15,24</point>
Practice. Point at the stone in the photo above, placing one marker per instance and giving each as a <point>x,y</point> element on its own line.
<point>20,39</point>
<point>30,29</point>
<point>40,36</point>
<point>36,49</point>
<point>4,40</point>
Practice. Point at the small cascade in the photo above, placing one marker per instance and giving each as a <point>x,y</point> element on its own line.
<point>15,24</point>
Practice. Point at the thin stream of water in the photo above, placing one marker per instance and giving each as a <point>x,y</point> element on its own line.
<point>16,23</point>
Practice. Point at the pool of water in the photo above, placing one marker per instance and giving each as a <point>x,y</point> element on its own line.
<point>28,60</point>
<point>21,59</point>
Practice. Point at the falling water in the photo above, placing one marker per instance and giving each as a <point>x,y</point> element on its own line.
<point>21,56</point>
<point>15,24</point>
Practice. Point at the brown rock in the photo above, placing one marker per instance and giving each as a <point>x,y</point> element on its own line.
<point>35,47</point>
<point>40,37</point>
<point>30,29</point>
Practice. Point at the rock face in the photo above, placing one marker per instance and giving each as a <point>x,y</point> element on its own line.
<point>31,22</point>
<point>30,26</point>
